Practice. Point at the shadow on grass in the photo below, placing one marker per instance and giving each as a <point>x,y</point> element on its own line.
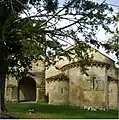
<point>6,116</point>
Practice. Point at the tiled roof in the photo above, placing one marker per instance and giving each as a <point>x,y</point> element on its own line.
<point>58,77</point>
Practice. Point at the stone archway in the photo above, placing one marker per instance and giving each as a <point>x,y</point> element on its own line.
<point>27,89</point>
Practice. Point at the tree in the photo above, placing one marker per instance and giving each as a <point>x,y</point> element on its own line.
<point>6,48</point>
<point>42,33</point>
<point>112,44</point>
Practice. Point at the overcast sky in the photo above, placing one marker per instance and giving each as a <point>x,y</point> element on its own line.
<point>114,2</point>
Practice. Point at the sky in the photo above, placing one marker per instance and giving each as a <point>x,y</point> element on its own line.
<point>114,2</point>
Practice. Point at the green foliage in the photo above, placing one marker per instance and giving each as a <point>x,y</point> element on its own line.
<point>31,41</point>
<point>112,44</point>
<point>38,37</point>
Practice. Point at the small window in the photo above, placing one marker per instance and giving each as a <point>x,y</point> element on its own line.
<point>93,82</point>
<point>62,90</point>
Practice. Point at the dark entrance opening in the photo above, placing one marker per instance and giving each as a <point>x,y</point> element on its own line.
<point>27,89</point>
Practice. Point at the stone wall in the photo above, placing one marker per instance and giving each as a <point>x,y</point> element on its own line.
<point>112,72</point>
<point>58,92</point>
<point>113,94</point>
<point>101,57</point>
<point>38,75</point>
<point>93,98</point>
<point>81,92</point>
<point>52,71</point>
<point>11,89</point>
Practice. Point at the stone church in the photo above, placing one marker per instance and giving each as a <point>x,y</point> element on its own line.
<point>64,84</point>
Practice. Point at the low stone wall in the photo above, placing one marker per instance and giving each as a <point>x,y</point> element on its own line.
<point>58,92</point>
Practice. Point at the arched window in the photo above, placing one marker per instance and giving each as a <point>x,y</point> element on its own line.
<point>96,83</point>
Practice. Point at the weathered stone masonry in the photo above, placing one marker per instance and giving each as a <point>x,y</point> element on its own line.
<point>66,85</point>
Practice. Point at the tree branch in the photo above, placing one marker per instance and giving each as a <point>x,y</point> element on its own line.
<point>57,13</point>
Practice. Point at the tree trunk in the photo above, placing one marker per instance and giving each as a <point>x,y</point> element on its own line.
<point>3,72</point>
<point>2,91</point>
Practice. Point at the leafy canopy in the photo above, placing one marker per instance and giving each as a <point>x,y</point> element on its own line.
<point>46,34</point>
<point>112,44</point>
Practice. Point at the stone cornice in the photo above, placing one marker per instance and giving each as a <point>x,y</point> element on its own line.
<point>112,78</point>
<point>11,85</point>
<point>77,64</point>
<point>59,77</point>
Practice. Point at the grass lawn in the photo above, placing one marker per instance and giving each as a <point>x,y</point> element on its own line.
<point>43,110</point>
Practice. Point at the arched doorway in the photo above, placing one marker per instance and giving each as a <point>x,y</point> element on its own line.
<point>27,89</point>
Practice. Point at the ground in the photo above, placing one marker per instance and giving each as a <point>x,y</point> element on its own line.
<point>43,110</point>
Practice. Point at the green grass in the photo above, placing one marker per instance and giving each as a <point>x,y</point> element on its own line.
<point>56,111</point>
